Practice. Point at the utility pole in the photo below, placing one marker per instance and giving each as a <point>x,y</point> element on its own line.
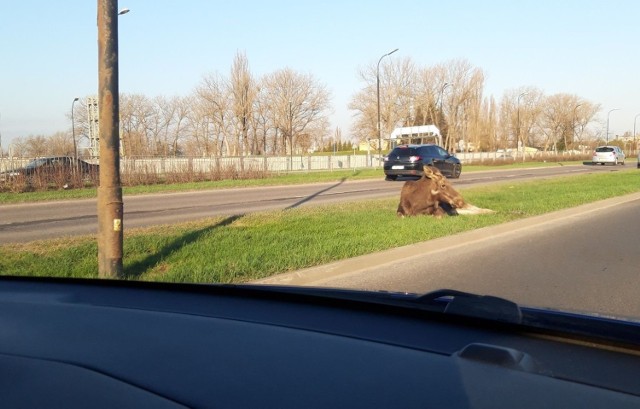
<point>524,150</point>
<point>110,206</point>
<point>73,131</point>
<point>635,147</point>
<point>608,114</point>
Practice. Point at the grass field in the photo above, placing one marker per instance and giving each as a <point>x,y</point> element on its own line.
<point>242,248</point>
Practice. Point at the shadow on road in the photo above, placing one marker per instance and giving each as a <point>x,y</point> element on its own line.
<point>138,268</point>
<point>311,197</point>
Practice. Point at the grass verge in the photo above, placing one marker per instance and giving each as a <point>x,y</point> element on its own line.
<point>242,248</point>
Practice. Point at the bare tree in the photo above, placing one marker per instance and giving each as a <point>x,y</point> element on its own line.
<point>298,102</point>
<point>18,147</point>
<point>427,105</point>
<point>397,96</point>
<point>462,104</point>
<point>398,78</point>
<point>242,90</point>
<point>60,144</point>
<point>561,119</point>
<point>519,118</point>
<point>181,123</point>
<point>214,99</point>
<point>137,116</point>
<point>197,143</point>
<point>31,146</point>
<point>584,113</point>
<point>486,136</point>
<point>449,95</point>
<point>557,119</point>
<point>262,123</point>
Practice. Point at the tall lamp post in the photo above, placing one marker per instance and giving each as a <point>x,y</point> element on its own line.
<point>574,124</point>
<point>518,130</point>
<point>444,86</point>
<point>73,130</point>
<point>609,113</point>
<point>635,147</point>
<point>378,97</point>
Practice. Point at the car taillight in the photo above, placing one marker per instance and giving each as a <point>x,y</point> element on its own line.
<point>414,158</point>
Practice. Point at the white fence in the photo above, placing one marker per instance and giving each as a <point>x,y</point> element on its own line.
<point>276,164</point>
<point>279,164</point>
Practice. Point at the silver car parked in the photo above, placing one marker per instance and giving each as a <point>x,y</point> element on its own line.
<point>608,154</point>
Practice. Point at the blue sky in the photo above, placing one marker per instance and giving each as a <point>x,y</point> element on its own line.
<point>48,50</point>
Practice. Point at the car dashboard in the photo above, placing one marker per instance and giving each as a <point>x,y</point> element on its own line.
<point>100,343</point>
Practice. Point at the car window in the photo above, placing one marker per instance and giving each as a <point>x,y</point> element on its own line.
<point>403,151</point>
<point>428,151</point>
<point>442,152</point>
<point>247,115</point>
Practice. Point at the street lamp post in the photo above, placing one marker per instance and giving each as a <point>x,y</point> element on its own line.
<point>378,98</point>
<point>73,130</point>
<point>574,124</point>
<point>440,100</point>
<point>290,136</point>
<point>635,147</point>
<point>518,129</point>
<point>609,113</point>
<point>444,86</point>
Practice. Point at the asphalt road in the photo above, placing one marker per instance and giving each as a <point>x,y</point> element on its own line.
<point>585,259</point>
<point>27,222</point>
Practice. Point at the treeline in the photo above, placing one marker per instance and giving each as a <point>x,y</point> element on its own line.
<point>287,112</point>
<point>451,95</point>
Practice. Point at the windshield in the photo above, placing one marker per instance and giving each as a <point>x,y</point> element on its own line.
<point>251,145</point>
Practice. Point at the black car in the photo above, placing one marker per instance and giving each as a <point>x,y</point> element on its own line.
<point>408,160</point>
<point>54,169</point>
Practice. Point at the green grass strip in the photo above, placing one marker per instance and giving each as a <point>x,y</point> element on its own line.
<point>242,248</point>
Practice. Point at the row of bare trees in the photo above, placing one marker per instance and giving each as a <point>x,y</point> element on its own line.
<point>58,144</point>
<point>282,113</point>
<point>287,112</point>
<point>451,95</point>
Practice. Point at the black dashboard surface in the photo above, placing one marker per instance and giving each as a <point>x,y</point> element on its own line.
<point>79,344</point>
